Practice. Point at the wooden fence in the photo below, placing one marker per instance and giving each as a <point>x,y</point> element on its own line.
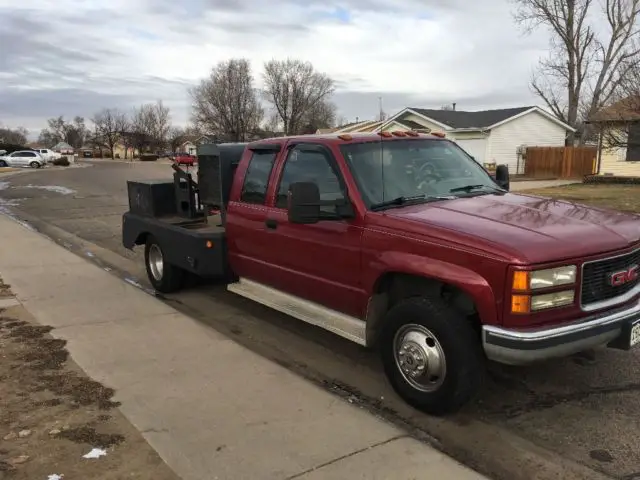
<point>560,162</point>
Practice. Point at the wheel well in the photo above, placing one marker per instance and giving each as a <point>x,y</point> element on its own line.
<point>394,287</point>
<point>141,239</point>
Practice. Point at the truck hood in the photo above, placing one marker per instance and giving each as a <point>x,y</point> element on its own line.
<point>534,229</point>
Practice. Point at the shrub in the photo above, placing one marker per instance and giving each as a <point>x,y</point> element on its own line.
<point>148,157</point>
<point>61,162</point>
<point>611,180</point>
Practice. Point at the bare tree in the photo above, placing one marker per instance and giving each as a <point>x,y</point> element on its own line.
<point>109,125</point>
<point>149,126</point>
<point>583,70</point>
<point>175,137</point>
<point>619,122</point>
<point>14,136</point>
<point>321,115</point>
<point>294,88</point>
<point>59,130</point>
<point>161,123</point>
<point>273,123</point>
<point>226,103</point>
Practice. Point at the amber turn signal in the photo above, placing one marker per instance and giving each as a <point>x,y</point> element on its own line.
<point>520,303</point>
<point>520,281</point>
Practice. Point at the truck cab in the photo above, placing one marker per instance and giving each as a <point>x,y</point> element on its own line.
<point>402,242</point>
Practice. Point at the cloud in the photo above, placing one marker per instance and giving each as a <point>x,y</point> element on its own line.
<point>72,57</point>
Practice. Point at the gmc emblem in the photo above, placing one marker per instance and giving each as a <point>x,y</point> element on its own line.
<point>622,277</point>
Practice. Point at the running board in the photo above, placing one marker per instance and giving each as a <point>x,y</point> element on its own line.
<point>346,326</point>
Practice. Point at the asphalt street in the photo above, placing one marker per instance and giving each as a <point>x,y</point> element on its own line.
<point>576,412</point>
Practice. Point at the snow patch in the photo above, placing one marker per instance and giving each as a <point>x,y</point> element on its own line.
<point>52,188</point>
<point>95,453</point>
<point>4,185</point>
<point>11,202</point>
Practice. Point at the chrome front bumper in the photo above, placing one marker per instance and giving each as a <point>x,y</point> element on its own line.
<point>517,347</point>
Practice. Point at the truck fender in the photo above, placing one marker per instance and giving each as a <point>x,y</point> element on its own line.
<point>460,277</point>
<point>133,233</point>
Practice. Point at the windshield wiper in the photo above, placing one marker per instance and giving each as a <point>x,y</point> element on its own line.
<point>469,188</point>
<point>402,201</point>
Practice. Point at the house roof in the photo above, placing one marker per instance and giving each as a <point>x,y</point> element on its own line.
<point>478,119</point>
<point>459,120</point>
<point>626,109</point>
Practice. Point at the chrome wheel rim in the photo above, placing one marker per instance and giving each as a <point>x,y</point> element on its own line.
<point>156,263</point>
<point>419,357</point>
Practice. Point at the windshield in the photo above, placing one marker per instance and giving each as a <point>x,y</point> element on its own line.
<point>387,170</point>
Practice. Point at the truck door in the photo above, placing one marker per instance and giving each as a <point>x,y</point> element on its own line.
<point>319,262</point>
<point>247,238</point>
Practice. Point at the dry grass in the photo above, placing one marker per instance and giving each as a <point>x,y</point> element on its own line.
<point>617,197</point>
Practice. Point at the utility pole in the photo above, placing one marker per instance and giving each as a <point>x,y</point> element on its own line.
<point>381,113</point>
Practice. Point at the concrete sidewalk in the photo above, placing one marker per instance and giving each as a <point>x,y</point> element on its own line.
<point>211,408</point>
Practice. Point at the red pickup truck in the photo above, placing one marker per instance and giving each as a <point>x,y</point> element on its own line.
<point>399,241</point>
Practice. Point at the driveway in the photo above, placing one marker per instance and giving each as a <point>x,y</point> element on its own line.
<point>544,421</point>
<point>531,184</point>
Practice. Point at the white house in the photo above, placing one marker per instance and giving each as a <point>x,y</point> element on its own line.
<point>490,136</point>
<point>190,143</point>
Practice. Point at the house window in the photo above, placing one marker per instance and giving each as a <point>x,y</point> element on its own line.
<point>633,143</point>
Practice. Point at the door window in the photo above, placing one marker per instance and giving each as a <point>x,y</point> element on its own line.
<point>306,166</point>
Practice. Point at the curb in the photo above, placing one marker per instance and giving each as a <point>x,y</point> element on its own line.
<point>483,459</point>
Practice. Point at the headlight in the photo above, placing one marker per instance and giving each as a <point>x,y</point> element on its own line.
<point>550,277</point>
<point>551,300</point>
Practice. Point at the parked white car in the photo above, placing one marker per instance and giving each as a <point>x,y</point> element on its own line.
<point>48,155</point>
<point>23,158</point>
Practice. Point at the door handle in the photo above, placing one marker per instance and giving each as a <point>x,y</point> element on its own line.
<point>271,223</point>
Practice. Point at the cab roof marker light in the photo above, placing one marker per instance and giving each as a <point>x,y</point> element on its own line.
<point>411,133</point>
<point>385,134</point>
<point>345,137</point>
<point>438,134</point>
<point>399,133</point>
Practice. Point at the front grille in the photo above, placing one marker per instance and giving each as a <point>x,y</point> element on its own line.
<point>596,278</point>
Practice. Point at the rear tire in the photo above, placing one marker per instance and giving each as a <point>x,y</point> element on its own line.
<point>3,163</point>
<point>34,165</point>
<point>164,277</point>
<point>432,355</point>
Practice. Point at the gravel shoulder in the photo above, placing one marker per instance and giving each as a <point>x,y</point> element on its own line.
<point>53,415</point>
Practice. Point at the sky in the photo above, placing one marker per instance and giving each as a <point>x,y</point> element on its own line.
<point>75,57</point>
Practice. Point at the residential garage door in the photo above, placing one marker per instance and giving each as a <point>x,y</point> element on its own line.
<point>474,147</point>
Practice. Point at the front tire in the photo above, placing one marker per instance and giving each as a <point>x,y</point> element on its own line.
<point>34,165</point>
<point>164,277</point>
<point>3,163</point>
<point>432,355</point>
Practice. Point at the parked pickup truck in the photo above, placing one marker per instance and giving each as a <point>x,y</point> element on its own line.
<point>399,241</point>
<point>48,155</point>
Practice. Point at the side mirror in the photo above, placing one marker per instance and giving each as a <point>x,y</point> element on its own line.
<point>304,203</point>
<point>502,176</point>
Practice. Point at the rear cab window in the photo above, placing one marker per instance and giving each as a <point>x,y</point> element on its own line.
<point>256,178</point>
